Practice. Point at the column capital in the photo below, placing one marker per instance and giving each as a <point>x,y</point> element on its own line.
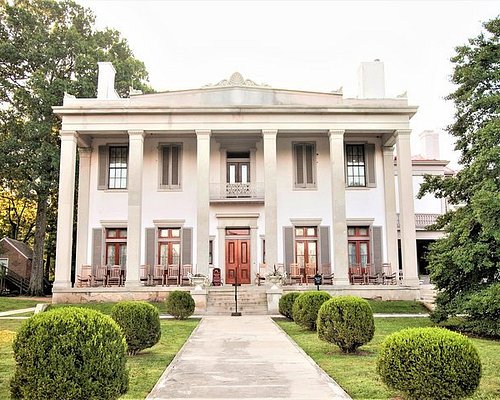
<point>269,132</point>
<point>388,150</point>
<point>203,132</point>
<point>136,134</point>
<point>68,135</point>
<point>403,133</point>
<point>336,133</point>
<point>84,151</point>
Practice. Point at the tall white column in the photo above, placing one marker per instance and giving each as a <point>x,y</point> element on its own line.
<point>67,170</point>
<point>340,259</point>
<point>82,224</point>
<point>270,202</point>
<point>390,208</point>
<point>134,188</point>
<point>406,209</point>
<point>203,199</point>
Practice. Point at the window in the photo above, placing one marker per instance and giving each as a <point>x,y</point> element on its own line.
<point>306,246</point>
<point>305,165</point>
<point>211,252</point>
<point>356,171</point>
<point>118,160</point>
<point>358,238</point>
<point>170,166</point>
<point>169,246</point>
<point>4,266</point>
<point>116,247</point>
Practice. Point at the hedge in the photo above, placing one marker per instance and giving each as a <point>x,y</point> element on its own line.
<point>306,306</point>
<point>180,304</point>
<point>69,353</point>
<point>346,321</point>
<point>285,304</point>
<point>140,322</point>
<point>429,363</point>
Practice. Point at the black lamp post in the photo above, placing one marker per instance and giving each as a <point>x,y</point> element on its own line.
<point>236,284</point>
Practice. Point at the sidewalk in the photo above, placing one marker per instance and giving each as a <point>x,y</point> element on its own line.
<point>18,311</point>
<point>246,357</point>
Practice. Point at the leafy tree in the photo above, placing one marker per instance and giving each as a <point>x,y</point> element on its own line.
<point>47,48</point>
<point>17,216</point>
<point>467,260</point>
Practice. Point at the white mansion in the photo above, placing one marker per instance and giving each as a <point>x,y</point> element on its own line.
<point>235,175</point>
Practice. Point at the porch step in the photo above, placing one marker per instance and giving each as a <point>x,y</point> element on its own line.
<point>427,293</point>
<point>251,300</point>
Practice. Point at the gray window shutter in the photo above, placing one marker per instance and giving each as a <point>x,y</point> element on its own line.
<point>370,165</point>
<point>150,246</point>
<point>377,248</point>
<point>324,246</point>
<point>97,246</point>
<point>299,165</point>
<point>309,163</point>
<point>288,246</point>
<point>165,165</point>
<point>187,246</point>
<point>103,165</point>
<point>175,165</point>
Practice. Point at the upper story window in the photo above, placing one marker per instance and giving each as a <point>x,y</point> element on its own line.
<point>305,165</point>
<point>355,159</point>
<point>170,176</point>
<point>238,167</point>
<point>118,164</point>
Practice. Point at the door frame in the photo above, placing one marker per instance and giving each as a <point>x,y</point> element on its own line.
<point>234,220</point>
<point>238,240</point>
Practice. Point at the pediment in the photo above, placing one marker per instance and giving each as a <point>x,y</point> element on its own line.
<point>237,91</point>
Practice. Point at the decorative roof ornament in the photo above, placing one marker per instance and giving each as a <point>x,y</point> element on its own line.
<point>236,79</point>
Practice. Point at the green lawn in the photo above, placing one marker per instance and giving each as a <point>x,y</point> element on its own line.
<point>14,303</point>
<point>398,307</point>
<point>357,374</point>
<point>145,368</point>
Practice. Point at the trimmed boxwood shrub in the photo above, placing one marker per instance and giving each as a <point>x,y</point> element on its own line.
<point>346,321</point>
<point>285,304</point>
<point>180,304</point>
<point>69,353</point>
<point>140,322</point>
<point>429,363</point>
<point>306,306</point>
<point>483,312</point>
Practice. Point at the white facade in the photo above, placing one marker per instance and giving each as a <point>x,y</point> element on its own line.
<point>258,131</point>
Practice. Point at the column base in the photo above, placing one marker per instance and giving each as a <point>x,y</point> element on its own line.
<point>132,284</point>
<point>411,282</point>
<point>341,281</point>
<point>200,298</point>
<point>273,299</point>
<point>61,285</point>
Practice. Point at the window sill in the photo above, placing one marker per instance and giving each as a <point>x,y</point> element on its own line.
<point>165,189</point>
<point>304,189</point>
<point>358,188</point>
<point>115,190</point>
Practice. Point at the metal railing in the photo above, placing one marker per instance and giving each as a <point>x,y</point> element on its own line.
<point>232,191</point>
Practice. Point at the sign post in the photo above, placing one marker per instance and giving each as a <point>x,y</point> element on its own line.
<point>236,284</point>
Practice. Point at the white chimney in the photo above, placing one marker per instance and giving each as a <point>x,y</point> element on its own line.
<point>429,145</point>
<point>106,82</point>
<point>371,80</point>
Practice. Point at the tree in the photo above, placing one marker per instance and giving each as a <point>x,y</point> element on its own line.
<point>47,48</point>
<point>467,260</point>
<point>17,216</point>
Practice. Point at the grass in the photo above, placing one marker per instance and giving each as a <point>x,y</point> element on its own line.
<point>398,307</point>
<point>145,368</point>
<point>14,303</point>
<point>357,374</point>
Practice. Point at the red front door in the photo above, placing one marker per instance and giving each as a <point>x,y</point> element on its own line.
<point>237,260</point>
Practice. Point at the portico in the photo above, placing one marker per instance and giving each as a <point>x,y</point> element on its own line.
<point>147,163</point>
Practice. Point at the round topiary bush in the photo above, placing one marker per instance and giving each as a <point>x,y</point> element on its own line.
<point>180,304</point>
<point>346,321</point>
<point>69,353</point>
<point>429,363</point>
<point>285,304</point>
<point>140,322</point>
<point>306,306</point>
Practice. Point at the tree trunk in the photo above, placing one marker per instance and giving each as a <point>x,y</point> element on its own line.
<point>36,281</point>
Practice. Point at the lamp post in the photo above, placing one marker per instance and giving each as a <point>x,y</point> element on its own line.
<point>236,284</point>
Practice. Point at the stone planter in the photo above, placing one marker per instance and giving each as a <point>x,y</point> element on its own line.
<point>274,281</point>
<point>199,282</point>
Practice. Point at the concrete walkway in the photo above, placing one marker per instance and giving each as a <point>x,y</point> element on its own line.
<point>18,311</point>
<point>246,357</point>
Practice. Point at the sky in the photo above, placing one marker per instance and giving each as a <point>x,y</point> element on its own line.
<point>313,45</point>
